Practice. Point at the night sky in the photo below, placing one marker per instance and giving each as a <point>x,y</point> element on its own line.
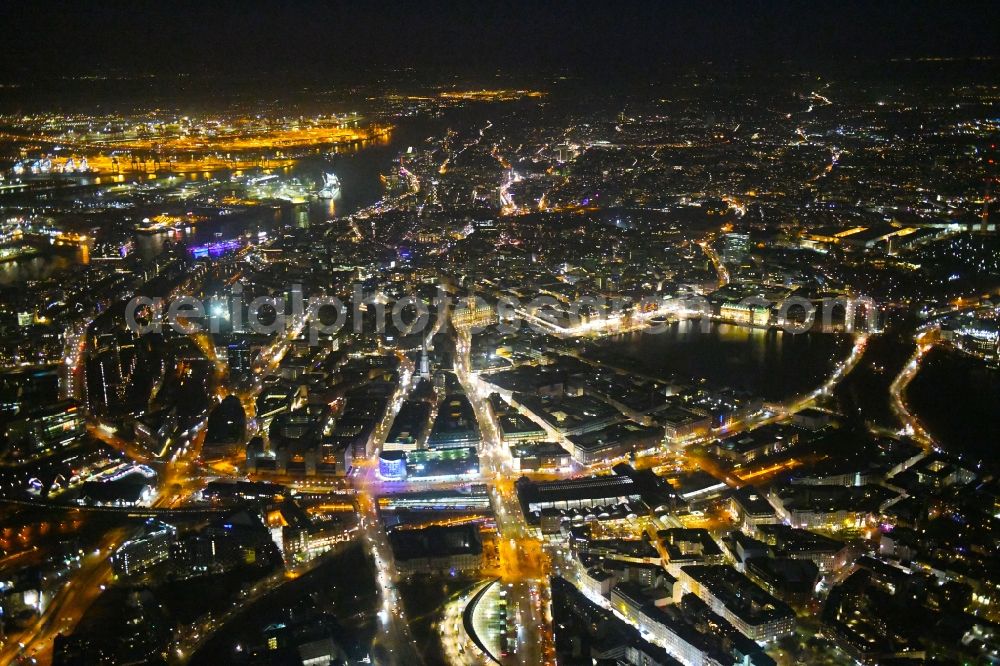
<point>334,39</point>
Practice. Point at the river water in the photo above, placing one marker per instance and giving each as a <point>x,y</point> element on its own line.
<point>357,166</point>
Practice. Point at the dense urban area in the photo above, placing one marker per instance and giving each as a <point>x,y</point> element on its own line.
<point>505,370</point>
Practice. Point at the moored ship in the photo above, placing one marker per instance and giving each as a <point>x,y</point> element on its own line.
<point>331,187</point>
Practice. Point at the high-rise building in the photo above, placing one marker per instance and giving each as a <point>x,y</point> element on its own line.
<point>152,547</point>
<point>44,430</point>
<point>240,358</point>
<point>735,247</point>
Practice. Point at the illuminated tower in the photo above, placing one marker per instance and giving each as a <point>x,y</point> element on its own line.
<point>425,364</point>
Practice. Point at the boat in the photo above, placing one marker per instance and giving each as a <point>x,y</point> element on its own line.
<point>331,187</point>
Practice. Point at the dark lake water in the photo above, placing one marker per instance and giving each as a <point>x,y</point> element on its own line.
<point>957,398</point>
<point>772,364</point>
